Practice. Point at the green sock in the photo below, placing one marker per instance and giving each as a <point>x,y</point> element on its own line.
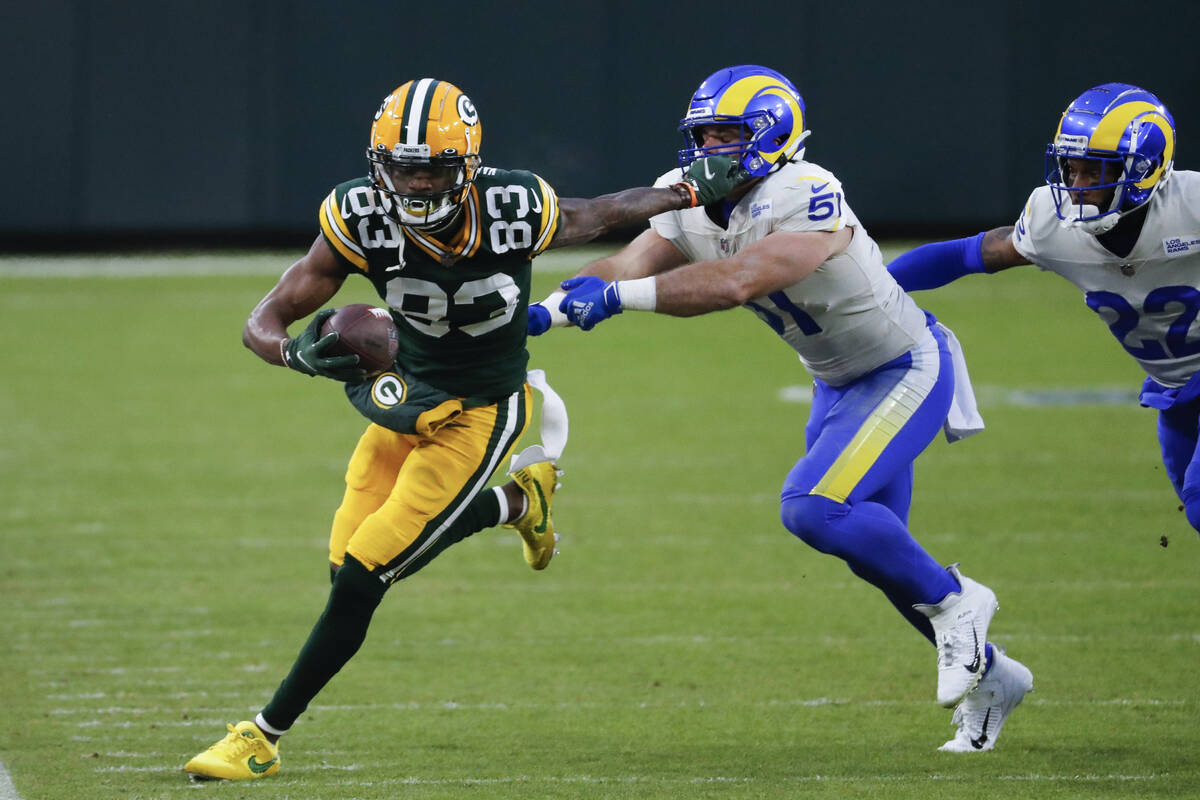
<point>335,638</point>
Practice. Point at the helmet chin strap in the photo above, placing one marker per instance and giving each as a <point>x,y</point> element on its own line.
<point>1071,214</point>
<point>1100,224</point>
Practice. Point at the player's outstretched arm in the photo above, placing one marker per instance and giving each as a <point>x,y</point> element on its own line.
<point>932,265</point>
<point>770,264</point>
<point>707,180</point>
<point>648,254</point>
<point>302,289</point>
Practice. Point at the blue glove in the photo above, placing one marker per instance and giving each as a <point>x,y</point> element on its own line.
<point>590,301</point>
<point>539,320</point>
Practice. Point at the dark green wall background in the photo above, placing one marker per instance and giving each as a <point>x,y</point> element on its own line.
<point>212,117</point>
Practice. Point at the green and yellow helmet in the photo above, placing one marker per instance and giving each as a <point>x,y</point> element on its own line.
<point>425,124</point>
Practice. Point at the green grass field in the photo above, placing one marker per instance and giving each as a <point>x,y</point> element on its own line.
<point>166,500</point>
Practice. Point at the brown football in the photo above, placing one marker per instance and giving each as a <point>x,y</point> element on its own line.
<point>365,331</point>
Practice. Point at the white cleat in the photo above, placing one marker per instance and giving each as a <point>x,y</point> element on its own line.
<point>982,713</point>
<point>960,625</point>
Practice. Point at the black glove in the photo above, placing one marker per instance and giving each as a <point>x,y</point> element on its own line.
<point>304,353</point>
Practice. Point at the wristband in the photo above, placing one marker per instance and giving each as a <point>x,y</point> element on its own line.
<point>686,193</point>
<point>640,294</point>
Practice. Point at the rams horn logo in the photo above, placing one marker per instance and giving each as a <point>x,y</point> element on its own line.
<point>388,390</point>
<point>466,110</point>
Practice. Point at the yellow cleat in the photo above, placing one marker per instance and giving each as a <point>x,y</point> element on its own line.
<point>539,482</point>
<point>243,754</point>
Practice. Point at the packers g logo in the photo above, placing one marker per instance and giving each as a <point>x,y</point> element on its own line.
<point>466,110</point>
<point>388,390</point>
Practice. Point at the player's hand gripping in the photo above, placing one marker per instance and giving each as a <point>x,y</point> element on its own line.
<point>709,179</point>
<point>304,353</point>
<point>590,301</point>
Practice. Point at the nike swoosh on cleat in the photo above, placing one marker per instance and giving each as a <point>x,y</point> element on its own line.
<point>983,737</point>
<point>545,516</point>
<point>258,768</point>
<point>974,665</point>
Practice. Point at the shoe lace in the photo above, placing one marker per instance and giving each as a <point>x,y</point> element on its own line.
<point>234,744</point>
<point>949,644</point>
<point>959,640</point>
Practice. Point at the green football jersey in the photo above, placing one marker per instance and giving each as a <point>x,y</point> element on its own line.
<point>460,305</point>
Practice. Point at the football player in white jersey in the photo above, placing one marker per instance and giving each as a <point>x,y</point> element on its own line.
<point>1115,220</point>
<point>786,245</point>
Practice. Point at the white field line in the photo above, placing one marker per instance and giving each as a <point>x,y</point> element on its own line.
<point>653,780</point>
<point>214,719</point>
<point>7,790</point>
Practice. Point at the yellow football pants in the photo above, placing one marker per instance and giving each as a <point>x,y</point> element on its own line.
<point>405,492</point>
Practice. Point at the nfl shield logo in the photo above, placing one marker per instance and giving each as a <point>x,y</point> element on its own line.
<point>724,245</point>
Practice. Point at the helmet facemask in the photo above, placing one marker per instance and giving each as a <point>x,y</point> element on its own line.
<point>448,175</point>
<point>1069,200</point>
<point>761,132</point>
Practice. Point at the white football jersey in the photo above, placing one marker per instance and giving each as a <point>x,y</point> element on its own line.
<point>1149,299</point>
<point>846,318</point>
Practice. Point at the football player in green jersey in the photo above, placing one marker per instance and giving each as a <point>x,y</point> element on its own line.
<point>448,245</point>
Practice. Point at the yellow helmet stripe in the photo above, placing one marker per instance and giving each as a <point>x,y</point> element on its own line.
<point>1112,127</point>
<point>1155,118</point>
<point>735,99</point>
<point>336,233</point>
<point>797,129</point>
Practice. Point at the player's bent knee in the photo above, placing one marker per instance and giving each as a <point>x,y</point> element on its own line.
<point>813,519</point>
<point>356,589</point>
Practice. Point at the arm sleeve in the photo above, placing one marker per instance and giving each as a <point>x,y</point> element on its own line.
<point>939,263</point>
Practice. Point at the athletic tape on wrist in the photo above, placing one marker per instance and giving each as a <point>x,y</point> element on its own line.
<point>640,294</point>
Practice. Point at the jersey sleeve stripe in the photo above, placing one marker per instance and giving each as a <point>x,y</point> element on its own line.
<point>336,233</point>
<point>550,217</point>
